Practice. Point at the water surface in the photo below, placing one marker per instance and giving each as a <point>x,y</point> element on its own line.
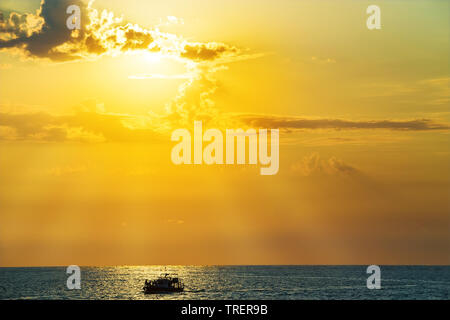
<point>230,282</point>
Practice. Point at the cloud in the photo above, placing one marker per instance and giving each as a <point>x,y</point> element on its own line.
<point>208,51</point>
<point>194,100</point>
<point>362,139</point>
<point>40,34</point>
<point>100,33</point>
<point>19,25</point>
<point>45,35</point>
<point>169,21</point>
<point>299,123</point>
<point>85,125</point>
<point>313,165</point>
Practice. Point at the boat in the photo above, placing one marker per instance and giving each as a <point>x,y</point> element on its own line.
<point>166,283</point>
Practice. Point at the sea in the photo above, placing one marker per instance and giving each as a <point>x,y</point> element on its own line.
<point>229,283</point>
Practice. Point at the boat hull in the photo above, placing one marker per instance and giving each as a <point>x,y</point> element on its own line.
<point>162,290</point>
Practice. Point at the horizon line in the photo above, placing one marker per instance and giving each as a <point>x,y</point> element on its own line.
<point>231,265</point>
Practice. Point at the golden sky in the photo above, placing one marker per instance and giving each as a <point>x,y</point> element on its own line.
<point>85,123</point>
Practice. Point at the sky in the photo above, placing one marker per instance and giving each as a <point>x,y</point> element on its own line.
<point>86,118</point>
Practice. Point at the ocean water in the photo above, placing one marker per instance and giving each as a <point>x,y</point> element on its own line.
<point>230,282</point>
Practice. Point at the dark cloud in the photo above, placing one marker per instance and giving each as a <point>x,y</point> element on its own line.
<point>45,35</point>
<point>16,26</point>
<point>297,123</point>
<point>93,45</point>
<point>53,32</point>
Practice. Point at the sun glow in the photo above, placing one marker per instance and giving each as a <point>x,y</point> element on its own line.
<point>152,57</point>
